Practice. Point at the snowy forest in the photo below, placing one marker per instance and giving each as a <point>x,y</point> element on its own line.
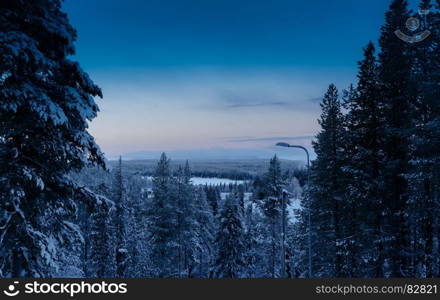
<point>367,207</point>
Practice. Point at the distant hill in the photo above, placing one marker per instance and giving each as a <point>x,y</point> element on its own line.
<point>220,154</point>
<point>239,169</point>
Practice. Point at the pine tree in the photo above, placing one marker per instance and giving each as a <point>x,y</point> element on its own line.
<point>423,175</point>
<point>162,221</point>
<point>230,240</point>
<point>186,221</point>
<point>213,197</point>
<point>240,189</point>
<point>101,261</point>
<point>255,233</point>
<point>137,243</point>
<point>46,104</point>
<point>206,228</point>
<point>327,194</point>
<point>92,226</point>
<point>364,138</point>
<point>397,94</point>
<point>272,208</point>
<point>119,196</point>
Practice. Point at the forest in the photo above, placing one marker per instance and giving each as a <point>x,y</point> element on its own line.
<point>368,206</point>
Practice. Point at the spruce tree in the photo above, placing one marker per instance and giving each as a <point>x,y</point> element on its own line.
<point>255,234</point>
<point>423,175</point>
<point>213,197</point>
<point>327,195</point>
<point>206,228</point>
<point>162,222</point>
<point>364,138</point>
<point>397,94</point>
<point>101,260</point>
<point>46,104</point>
<point>186,226</point>
<point>230,240</point>
<point>136,228</point>
<point>119,197</point>
<point>272,209</point>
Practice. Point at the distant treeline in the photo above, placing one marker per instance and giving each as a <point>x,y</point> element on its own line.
<point>233,175</point>
<point>234,170</point>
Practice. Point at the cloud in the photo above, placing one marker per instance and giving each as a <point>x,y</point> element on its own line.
<point>272,139</point>
<point>260,104</point>
<point>266,98</point>
<point>249,98</point>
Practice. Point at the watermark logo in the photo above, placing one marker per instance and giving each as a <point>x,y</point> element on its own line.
<point>413,24</point>
<point>12,290</point>
<point>71,289</point>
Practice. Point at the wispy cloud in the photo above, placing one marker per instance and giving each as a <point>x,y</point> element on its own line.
<point>266,98</point>
<point>258,104</point>
<point>272,139</point>
<point>249,99</point>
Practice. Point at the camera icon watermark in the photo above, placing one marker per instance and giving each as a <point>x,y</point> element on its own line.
<point>413,24</point>
<point>12,290</point>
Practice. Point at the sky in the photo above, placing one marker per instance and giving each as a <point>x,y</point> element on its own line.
<point>218,77</point>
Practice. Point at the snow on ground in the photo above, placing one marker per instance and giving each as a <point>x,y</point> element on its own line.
<point>212,181</point>
<point>215,181</point>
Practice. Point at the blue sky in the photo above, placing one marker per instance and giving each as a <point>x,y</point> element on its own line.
<point>182,75</point>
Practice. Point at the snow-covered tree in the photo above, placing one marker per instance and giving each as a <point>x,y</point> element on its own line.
<point>120,220</point>
<point>398,96</point>
<point>186,223</point>
<point>162,222</point>
<point>205,229</point>
<point>230,240</point>
<point>423,174</point>
<point>101,263</point>
<point>326,195</point>
<point>363,141</point>
<point>213,197</point>
<point>271,205</point>
<point>255,237</point>
<point>136,228</point>
<point>46,102</point>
